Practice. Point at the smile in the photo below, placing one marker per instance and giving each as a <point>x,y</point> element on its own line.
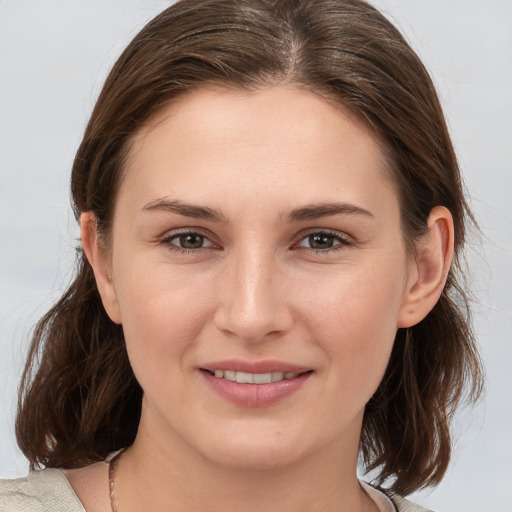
<point>248,389</point>
<point>253,378</point>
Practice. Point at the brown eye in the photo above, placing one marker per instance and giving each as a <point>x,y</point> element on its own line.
<point>321,241</point>
<point>190,241</point>
<point>324,241</point>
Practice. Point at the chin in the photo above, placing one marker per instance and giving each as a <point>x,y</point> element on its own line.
<point>255,449</point>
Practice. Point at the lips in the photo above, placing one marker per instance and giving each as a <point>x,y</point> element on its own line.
<point>254,384</point>
<point>255,367</point>
<point>253,378</point>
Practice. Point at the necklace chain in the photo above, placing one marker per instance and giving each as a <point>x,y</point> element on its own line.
<point>111,475</point>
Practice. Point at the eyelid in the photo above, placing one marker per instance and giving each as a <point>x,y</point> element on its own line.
<point>344,240</point>
<point>166,239</point>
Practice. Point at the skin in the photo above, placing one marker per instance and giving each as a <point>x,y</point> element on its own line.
<point>257,286</point>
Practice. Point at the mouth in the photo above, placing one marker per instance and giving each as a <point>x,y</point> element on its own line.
<point>254,378</point>
<point>258,384</point>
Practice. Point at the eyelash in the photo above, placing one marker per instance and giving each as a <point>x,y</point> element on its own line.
<point>168,241</point>
<point>340,241</point>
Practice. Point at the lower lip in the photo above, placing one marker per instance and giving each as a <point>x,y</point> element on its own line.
<point>255,395</point>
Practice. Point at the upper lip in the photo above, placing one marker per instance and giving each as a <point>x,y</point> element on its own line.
<point>263,366</point>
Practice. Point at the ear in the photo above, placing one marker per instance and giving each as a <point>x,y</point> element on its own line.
<point>100,261</point>
<point>430,268</point>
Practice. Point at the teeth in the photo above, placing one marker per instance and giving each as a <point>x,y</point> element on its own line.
<point>230,375</point>
<point>253,378</point>
<point>244,378</point>
<point>262,378</point>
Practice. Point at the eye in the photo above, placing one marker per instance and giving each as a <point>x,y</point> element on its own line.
<point>188,241</point>
<point>323,241</point>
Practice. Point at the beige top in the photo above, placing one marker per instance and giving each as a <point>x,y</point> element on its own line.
<point>49,490</point>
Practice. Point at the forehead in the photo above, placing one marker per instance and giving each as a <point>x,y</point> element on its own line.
<point>217,105</point>
<point>280,138</point>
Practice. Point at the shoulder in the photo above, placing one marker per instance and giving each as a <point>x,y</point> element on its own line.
<point>47,490</point>
<point>388,501</point>
<point>403,505</point>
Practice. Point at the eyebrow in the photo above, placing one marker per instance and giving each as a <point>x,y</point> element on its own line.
<point>309,212</point>
<point>317,211</point>
<point>185,209</point>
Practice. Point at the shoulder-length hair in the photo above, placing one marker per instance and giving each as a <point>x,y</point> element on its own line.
<point>79,399</point>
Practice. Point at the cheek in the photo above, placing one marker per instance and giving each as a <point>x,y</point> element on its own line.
<point>162,316</point>
<point>354,323</point>
<point>358,304</point>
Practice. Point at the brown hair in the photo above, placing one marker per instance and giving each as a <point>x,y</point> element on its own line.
<point>79,399</point>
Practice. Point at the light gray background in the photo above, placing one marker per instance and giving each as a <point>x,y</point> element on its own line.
<point>54,55</point>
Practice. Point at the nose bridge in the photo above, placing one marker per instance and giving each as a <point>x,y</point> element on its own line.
<point>252,299</point>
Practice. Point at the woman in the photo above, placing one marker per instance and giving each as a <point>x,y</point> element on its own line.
<point>271,214</point>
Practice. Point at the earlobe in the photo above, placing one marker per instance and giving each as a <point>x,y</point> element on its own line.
<point>100,261</point>
<point>434,257</point>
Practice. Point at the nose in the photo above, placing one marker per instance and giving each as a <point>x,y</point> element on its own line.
<point>253,300</point>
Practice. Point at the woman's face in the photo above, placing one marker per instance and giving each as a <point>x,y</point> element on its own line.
<point>257,237</point>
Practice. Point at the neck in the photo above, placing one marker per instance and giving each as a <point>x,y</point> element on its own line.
<point>158,476</point>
